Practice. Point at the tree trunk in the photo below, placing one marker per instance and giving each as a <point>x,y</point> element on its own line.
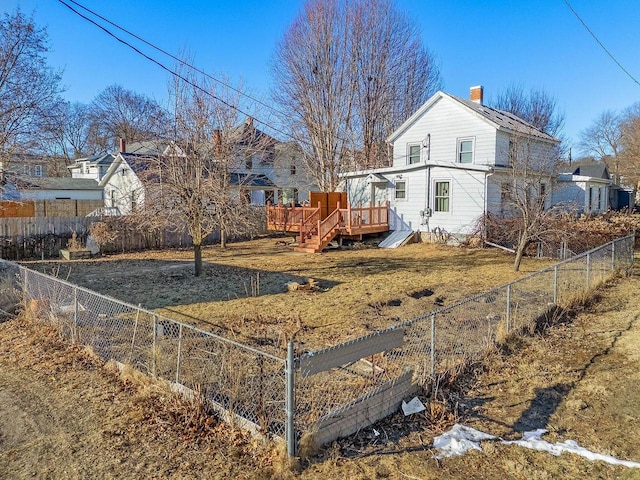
<point>223,238</point>
<point>522,245</point>
<point>197,259</point>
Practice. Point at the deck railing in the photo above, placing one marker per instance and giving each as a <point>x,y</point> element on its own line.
<point>363,217</point>
<point>308,224</point>
<point>288,218</point>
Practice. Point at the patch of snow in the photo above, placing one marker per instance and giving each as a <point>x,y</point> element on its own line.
<point>460,439</point>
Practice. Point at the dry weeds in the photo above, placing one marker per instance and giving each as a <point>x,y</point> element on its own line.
<point>357,291</point>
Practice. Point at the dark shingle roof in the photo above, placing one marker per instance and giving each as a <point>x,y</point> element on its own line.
<point>251,180</point>
<point>505,119</point>
<point>595,170</point>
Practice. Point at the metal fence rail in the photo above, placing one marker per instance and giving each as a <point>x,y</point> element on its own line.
<point>322,394</point>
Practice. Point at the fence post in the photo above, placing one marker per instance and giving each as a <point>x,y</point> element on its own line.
<point>508,320</point>
<point>433,345</point>
<point>153,349</point>
<point>290,401</point>
<point>613,256</point>
<point>555,285</point>
<point>74,333</point>
<point>179,349</point>
<point>588,270</point>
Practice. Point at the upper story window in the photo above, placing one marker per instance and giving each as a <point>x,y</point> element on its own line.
<point>401,190</point>
<point>25,169</point>
<point>292,166</point>
<point>248,162</point>
<point>414,154</point>
<point>465,150</point>
<point>37,170</point>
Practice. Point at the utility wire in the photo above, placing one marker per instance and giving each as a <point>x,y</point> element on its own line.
<point>177,59</point>
<point>600,43</point>
<point>172,72</point>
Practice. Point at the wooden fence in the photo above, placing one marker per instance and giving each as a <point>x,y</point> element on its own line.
<point>30,238</point>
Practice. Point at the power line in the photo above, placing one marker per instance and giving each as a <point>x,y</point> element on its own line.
<point>172,72</point>
<point>600,43</point>
<point>177,59</point>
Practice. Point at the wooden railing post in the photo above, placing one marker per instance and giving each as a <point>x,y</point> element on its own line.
<point>302,234</point>
<point>349,216</point>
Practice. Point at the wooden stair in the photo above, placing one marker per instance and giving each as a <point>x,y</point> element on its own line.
<point>318,236</point>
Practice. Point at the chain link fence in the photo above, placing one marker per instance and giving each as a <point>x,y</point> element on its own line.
<point>440,342</point>
<point>243,384</point>
<point>315,396</point>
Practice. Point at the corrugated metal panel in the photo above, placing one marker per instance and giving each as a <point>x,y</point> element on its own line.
<point>396,239</point>
<point>350,352</point>
<point>364,411</point>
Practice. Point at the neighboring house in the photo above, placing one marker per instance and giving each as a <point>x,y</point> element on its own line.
<point>27,165</point>
<point>450,165</point>
<point>275,173</point>
<point>586,189</point>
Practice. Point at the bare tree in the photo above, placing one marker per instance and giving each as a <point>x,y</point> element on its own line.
<point>119,113</point>
<point>69,136</point>
<point>536,107</point>
<point>29,88</point>
<point>603,140</point>
<point>195,182</point>
<point>630,143</point>
<point>533,169</point>
<point>347,74</point>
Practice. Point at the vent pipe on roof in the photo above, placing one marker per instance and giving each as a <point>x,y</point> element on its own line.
<point>123,146</point>
<point>476,94</point>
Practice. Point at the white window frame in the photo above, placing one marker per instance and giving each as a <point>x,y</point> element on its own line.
<point>459,151</point>
<point>409,156</point>
<point>37,170</point>
<point>435,197</point>
<point>395,189</point>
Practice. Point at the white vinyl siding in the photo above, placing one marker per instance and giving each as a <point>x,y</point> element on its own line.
<point>440,127</point>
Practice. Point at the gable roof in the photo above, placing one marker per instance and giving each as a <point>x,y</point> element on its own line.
<point>101,159</point>
<point>499,119</point>
<point>595,170</point>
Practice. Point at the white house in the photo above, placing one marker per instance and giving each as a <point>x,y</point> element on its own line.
<point>586,189</point>
<point>451,165</point>
<point>274,173</point>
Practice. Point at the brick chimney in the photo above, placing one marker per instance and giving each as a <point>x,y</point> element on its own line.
<point>123,146</point>
<point>217,140</point>
<point>476,94</point>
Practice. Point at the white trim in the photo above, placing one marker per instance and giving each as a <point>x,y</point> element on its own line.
<point>406,189</point>
<point>459,141</point>
<point>432,200</point>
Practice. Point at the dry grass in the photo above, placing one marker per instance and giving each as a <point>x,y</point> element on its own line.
<point>360,290</point>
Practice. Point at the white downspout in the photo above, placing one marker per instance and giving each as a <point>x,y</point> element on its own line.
<point>486,201</point>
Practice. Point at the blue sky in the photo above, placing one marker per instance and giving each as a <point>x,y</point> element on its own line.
<point>536,43</point>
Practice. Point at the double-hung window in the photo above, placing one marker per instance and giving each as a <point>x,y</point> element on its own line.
<point>441,198</point>
<point>401,190</point>
<point>414,154</point>
<point>465,150</point>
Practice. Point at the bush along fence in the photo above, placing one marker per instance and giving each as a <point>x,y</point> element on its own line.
<point>309,399</point>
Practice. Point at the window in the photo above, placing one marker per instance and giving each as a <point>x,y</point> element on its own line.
<point>25,169</point>
<point>401,190</point>
<point>414,154</point>
<point>113,198</point>
<point>248,162</point>
<point>590,199</point>
<point>600,206</point>
<point>441,202</point>
<point>292,166</point>
<point>465,150</point>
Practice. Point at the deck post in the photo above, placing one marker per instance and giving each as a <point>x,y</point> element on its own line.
<point>301,232</point>
<point>349,216</point>
<point>370,213</point>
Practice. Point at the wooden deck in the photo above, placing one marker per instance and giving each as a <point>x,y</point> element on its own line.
<point>314,233</point>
